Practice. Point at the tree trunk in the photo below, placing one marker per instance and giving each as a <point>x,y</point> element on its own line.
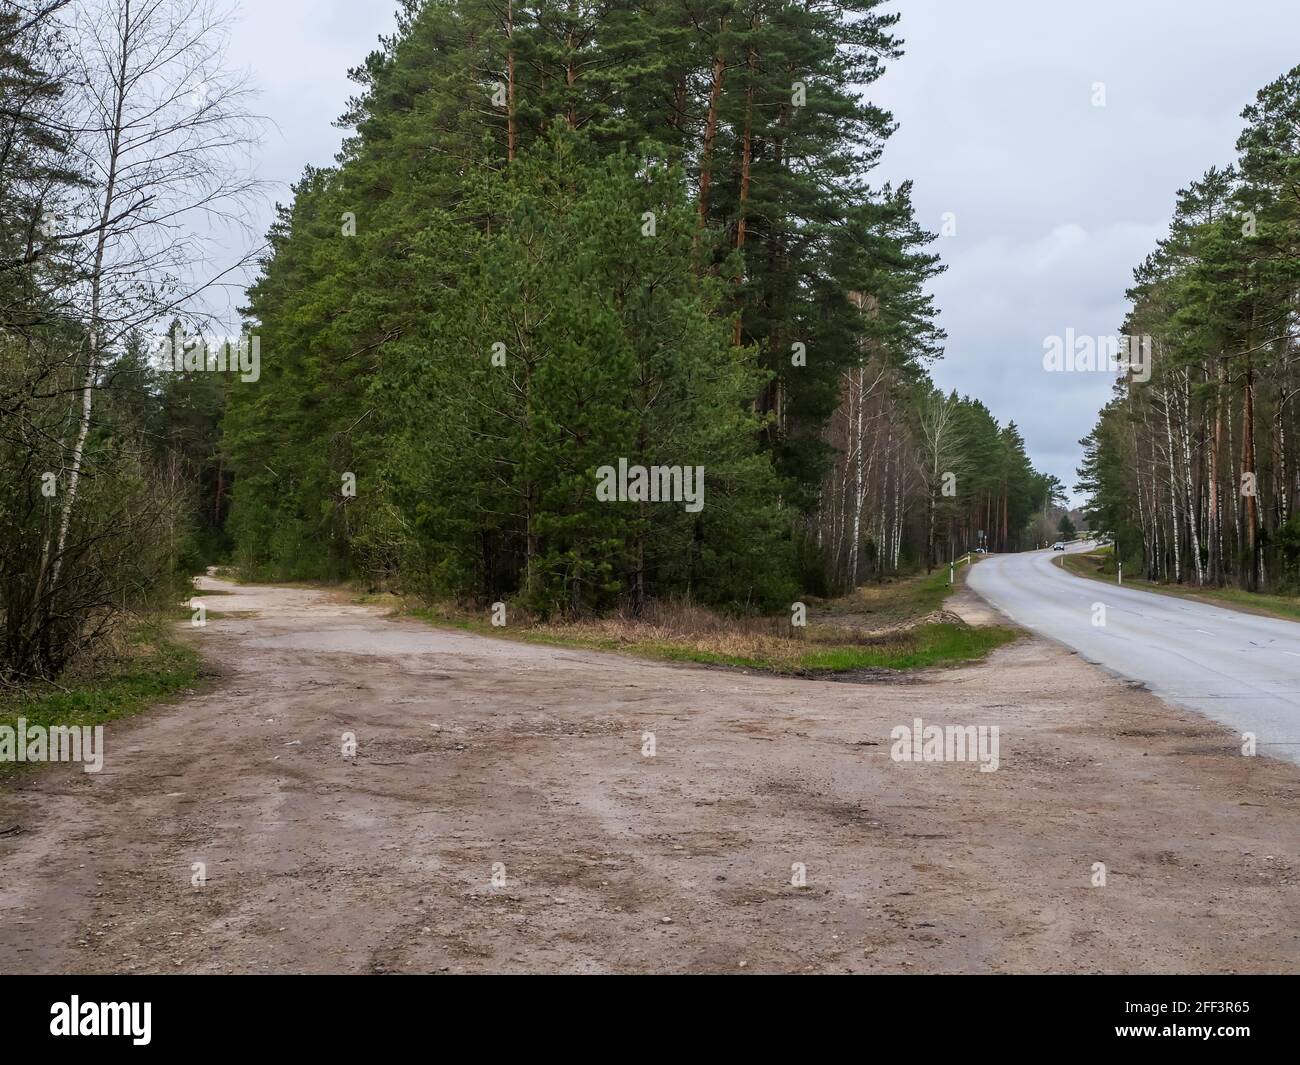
<point>1173,490</point>
<point>711,124</point>
<point>1248,474</point>
<point>94,337</point>
<point>511,133</point>
<point>1192,518</point>
<point>1213,538</point>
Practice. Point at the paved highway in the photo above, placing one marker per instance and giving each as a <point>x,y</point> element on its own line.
<point>1240,669</point>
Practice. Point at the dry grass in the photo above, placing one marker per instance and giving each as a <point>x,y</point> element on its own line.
<point>897,626</point>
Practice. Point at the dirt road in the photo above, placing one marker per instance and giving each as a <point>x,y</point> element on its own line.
<point>473,751</point>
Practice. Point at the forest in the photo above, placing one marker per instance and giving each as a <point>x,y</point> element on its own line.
<point>564,235</point>
<point>1193,465</point>
<point>557,238</point>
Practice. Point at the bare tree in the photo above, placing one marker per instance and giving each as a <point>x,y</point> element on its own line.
<point>125,154</point>
<point>162,137</point>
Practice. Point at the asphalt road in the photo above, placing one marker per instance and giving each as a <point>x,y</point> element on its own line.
<point>1239,669</point>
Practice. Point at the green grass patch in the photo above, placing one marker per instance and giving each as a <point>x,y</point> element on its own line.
<point>154,666</point>
<point>917,648</point>
<point>688,633</point>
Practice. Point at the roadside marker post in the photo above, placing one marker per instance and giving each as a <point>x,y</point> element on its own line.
<point>952,568</point>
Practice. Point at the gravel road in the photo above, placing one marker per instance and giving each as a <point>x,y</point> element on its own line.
<point>481,759</point>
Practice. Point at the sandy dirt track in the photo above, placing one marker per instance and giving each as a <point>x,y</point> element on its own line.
<point>474,751</point>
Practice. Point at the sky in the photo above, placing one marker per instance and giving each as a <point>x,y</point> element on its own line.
<point>1057,200</point>
<point>1045,140</point>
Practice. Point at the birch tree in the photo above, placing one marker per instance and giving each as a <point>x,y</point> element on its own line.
<point>145,172</point>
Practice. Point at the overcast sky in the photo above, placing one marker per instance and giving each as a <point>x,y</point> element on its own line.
<point>1055,199</point>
